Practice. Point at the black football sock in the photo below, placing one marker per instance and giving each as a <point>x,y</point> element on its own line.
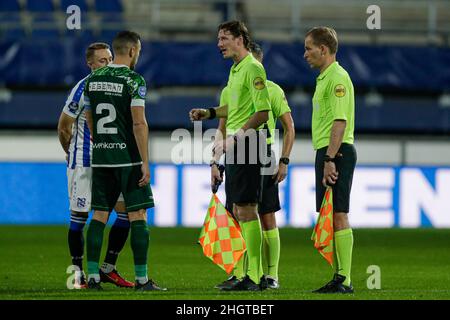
<point>118,236</point>
<point>75,239</point>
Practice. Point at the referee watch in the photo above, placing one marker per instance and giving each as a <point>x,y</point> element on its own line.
<point>214,163</point>
<point>327,158</point>
<point>284,160</point>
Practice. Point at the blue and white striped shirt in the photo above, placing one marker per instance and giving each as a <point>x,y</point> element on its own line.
<point>80,149</point>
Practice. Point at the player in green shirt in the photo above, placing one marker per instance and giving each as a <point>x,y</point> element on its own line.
<point>247,110</point>
<point>332,135</point>
<point>115,101</point>
<point>270,199</point>
<point>74,137</point>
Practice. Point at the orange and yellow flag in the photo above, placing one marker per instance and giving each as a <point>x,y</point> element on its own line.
<point>323,232</point>
<point>221,237</point>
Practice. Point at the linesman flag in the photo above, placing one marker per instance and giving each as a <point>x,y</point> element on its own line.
<point>323,232</point>
<point>221,237</point>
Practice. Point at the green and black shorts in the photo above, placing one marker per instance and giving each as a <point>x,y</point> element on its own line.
<point>345,166</point>
<point>108,183</point>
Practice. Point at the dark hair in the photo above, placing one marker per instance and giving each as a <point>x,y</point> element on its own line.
<point>93,47</point>
<point>237,29</point>
<point>324,36</point>
<point>123,40</point>
<point>256,50</point>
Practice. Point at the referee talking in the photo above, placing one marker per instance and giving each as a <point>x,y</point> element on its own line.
<point>247,110</point>
<point>332,136</point>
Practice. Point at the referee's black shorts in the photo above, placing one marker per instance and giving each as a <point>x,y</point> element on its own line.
<point>345,166</point>
<point>236,189</point>
<point>269,201</point>
<point>243,169</point>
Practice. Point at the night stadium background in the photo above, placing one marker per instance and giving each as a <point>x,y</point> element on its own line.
<point>401,75</point>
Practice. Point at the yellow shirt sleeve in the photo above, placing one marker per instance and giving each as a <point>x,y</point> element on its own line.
<point>340,99</point>
<point>279,102</point>
<point>256,82</point>
<point>224,97</point>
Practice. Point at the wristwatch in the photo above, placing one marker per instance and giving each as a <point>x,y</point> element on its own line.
<point>284,160</point>
<point>327,158</point>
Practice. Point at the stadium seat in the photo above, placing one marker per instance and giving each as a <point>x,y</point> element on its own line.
<point>11,26</point>
<point>9,5</point>
<point>12,34</point>
<point>40,5</point>
<point>80,3</point>
<point>110,25</point>
<point>108,6</point>
<point>87,36</point>
<point>107,35</point>
<point>45,27</point>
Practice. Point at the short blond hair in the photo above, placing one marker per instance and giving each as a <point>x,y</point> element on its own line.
<point>324,36</point>
<point>93,47</point>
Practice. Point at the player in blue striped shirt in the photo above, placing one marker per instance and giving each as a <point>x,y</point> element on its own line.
<point>75,138</point>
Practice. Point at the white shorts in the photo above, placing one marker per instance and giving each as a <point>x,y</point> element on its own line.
<point>79,184</point>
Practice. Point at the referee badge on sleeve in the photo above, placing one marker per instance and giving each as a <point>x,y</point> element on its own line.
<point>339,90</point>
<point>258,83</point>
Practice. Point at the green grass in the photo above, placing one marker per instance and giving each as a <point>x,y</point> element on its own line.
<point>414,265</point>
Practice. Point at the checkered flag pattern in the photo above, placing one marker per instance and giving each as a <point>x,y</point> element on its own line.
<point>323,232</point>
<point>221,237</point>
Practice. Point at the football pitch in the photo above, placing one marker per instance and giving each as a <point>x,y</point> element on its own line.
<point>414,264</point>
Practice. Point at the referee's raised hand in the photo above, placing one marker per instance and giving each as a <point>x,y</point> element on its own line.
<point>198,114</point>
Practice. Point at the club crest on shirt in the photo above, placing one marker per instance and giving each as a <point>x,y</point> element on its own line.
<point>339,90</point>
<point>73,106</point>
<point>258,83</point>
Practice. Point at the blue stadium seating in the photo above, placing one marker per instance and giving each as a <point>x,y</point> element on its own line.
<point>9,5</point>
<point>177,64</point>
<point>80,3</point>
<point>111,24</point>
<point>399,114</point>
<point>107,35</point>
<point>86,35</point>
<point>12,34</point>
<point>40,5</point>
<point>108,6</point>
<point>15,30</point>
<point>40,31</point>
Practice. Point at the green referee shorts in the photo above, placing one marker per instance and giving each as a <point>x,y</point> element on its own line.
<point>345,166</point>
<point>108,183</point>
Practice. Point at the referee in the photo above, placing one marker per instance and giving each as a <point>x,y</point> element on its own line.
<point>247,110</point>
<point>270,202</point>
<point>332,136</point>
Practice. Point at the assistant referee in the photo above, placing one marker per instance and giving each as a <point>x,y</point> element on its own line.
<point>333,120</point>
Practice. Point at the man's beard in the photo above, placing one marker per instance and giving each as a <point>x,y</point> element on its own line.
<point>133,64</point>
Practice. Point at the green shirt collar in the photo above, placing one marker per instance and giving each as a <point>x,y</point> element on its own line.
<point>330,68</point>
<point>243,62</point>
